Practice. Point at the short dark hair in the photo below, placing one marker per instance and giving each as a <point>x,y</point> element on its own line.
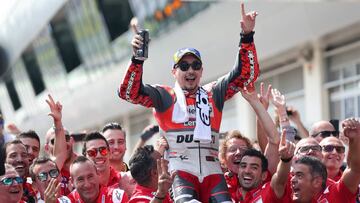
<point>38,161</point>
<point>113,126</point>
<point>141,163</point>
<point>16,141</point>
<point>316,167</point>
<point>30,134</point>
<point>82,159</point>
<point>93,136</point>
<point>255,153</point>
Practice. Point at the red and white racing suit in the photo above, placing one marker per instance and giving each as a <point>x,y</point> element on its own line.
<point>197,162</point>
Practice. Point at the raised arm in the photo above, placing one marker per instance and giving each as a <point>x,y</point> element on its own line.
<point>294,116</point>
<point>246,68</point>
<point>60,140</point>
<point>165,180</point>
<point>134,91</point>
<point>279,179</point>
<point>351,176</point>
<point>271,151</point>
<point>264,98</point>
<point>279,102</point>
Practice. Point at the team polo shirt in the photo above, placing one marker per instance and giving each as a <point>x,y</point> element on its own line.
<point>338,176</point>
<point>337,192</point>
<point>143,194</point>
<point>106,195</point>
<point>64,182</point>
<point>262,194</point>
<point>114,177</point>
<point>233,184</point>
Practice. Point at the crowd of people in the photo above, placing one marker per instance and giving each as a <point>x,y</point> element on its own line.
<point>191,161</point>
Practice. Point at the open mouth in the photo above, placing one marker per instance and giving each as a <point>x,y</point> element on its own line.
<point>296,190</point>
<point>247,179</point>
<point>190,78</point>
<point>20,167</point>
<point>99,162</point>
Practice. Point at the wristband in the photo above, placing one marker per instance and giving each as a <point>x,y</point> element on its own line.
<point>58,129</point>
<point>286,160</point>
<point>159,198</point>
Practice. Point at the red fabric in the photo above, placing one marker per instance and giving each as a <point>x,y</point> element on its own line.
<point>144,195</point>
<point>65,182</point>
<point>264,193</point>
<point>105,196</point>
<point>338,176</point>
<point>335,192</point>
<point>29,195</point>
<point>233,184</point>
<point>114,177</point>
<point>203,189</point>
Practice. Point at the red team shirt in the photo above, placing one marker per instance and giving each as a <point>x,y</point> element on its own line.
<point>144,195</point>
<point>106,195</point>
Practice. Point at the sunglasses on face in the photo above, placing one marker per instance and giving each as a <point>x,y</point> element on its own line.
<point>326,133</point>
<point>184,66</point>
<point>93,152</point>
<point>330,148</point>
<point>9,181</point>
<point>67,138</point>
<point>306,149</point>
<point>43,176</point>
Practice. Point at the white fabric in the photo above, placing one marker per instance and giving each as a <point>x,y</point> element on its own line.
<point>180,113</point>
<point>202,130</point>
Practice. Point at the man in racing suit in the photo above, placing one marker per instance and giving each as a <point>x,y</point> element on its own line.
<point>199,175</point>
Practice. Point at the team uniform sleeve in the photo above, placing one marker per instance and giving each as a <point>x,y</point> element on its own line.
<point>244,73</point>
<point>134,91</point>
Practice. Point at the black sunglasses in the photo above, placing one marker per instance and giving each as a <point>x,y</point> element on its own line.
<point>330,148</point>
<point>67,138</point>
<point>43,176</point>
<point>184,66</point>
<point>10,180</point>
<point>327,133</point>
<point>306,149</point>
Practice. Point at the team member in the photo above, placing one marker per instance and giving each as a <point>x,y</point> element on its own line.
<point>152,178</point>
<point>11,186</point>
<point>116,137</point>
<point>87,186</point>
<point>57,139</point>
<point>17,156</point>
<point>31,141</point>
<point>309,182</point>
<point>333,151</point>
<point>253,175</point>
<point>190,115</point>
<point>42,170</point>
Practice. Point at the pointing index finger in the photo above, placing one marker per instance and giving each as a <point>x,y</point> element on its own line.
<point>243,14</point>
